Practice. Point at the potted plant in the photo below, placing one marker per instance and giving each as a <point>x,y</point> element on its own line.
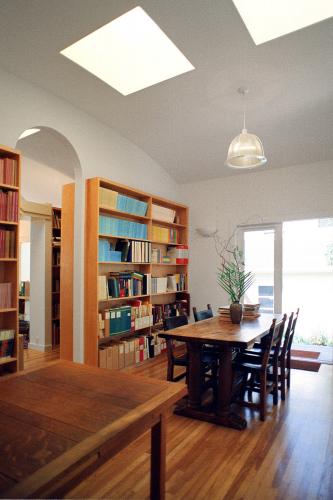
<point>232,277</point>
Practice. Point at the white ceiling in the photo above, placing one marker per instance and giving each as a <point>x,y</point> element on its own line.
<point>187,123</point>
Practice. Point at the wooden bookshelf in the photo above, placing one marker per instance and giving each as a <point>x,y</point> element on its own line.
<point>9,264</point>
<point>94,267</point>
<point>55,281</point>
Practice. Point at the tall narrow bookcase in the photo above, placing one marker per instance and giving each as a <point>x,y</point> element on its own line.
<point>55,289</point>
<point>94,268</point>
<point>10,174</point>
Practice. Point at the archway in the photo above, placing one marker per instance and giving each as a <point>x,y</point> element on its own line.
<point>49,161</point>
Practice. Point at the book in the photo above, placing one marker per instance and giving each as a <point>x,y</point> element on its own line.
<point>179,254</point>
<point>165,234</point>
<point>5,295</point>
<point>163,213</point>
<point>108,198</point>
<point>128,284</point>
<point>121,227</point>
<point>7,243</point>
<point>9,206</point>
<point>8,171</point>
<point>131,205</point>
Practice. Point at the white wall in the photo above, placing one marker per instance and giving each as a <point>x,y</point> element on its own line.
<point>101,152</point>
<point>41,183</point>
<point>292,193</point>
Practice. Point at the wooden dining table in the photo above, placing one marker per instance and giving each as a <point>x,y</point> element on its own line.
<point>225,337</point>
<point>60,423</point>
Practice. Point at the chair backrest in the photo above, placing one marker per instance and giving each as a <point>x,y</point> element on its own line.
<point>271,341</point>
<point>175,322</point>
<point>286,336</point>
<point>205,314</point>
<point>292,332</point>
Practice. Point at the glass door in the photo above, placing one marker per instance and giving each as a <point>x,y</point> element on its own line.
<point>262,250</point>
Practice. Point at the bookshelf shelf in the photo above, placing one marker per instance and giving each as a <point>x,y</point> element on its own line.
<point>24,297</point>
<point>96,310</point>
<point>112,236</point>
<point>56,253</point>
<point>4,361</point>
<point>168,224</point>
<point>122,214</point>
<point>9,223</point>
<point>9,187</point>
<point>10,160</point>
<point>169,293</point>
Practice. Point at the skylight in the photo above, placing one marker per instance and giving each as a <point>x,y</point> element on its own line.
<point>29,131</point>
<point>267,20</point>
<point>130,53</point>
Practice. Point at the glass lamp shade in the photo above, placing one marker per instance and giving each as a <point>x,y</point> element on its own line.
<point>246,151</point>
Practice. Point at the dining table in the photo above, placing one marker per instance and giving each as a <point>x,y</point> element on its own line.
<point>61,423</point>
<point>226,337</point>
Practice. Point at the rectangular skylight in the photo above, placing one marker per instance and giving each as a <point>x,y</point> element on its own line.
<point>266,19</point>
<point>129,53</point>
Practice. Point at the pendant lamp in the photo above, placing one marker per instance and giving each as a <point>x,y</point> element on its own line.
<point>246,150</point>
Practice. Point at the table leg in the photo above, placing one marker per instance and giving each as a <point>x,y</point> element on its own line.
<point>194,375</point>
<point>158,460</point>
<point>223,410</point>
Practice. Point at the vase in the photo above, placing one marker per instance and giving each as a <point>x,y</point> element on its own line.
<point>236,312</point>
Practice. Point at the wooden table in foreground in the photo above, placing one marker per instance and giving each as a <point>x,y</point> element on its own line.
<point>226,336</point>
<point>59,423</point>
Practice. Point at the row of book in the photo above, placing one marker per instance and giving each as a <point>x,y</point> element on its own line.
<point>56,310</point>
<point>174,255</point>
<point>24,290</point>
<point>122,227</point>
<point>56,257</point>
<point>124,251</point>
<point>5,295</point>
<point>56,220</point>
<point>123,284</point>
<point>8,171</point>
<point>55,333</point>
<point>162,311</point>
<point>165,234</point>
<point>9,206</point>
<point>114,200</point>
<point>123,319</point>
<point>163,213</point>
<point>7,243</point>
<point>6,343</point>
<point>170,283</point>
<point>130,352</point>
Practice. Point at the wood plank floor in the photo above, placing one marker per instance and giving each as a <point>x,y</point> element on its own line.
<point>290,456</point>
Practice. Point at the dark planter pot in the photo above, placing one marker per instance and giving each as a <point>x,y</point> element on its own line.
<point>236,312</point>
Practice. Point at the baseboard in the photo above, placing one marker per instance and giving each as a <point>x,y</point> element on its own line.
<point>40,347</point>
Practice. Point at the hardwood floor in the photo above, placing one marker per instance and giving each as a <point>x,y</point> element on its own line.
<point>290,456</point>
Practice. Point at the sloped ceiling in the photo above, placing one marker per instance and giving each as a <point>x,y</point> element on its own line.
<point>187,123</point>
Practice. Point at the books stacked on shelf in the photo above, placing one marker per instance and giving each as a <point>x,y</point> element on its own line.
<point>56,241</point>
<point>159,284</point>
<point>106,251</point>
<point>56,285</point>
<point>24,290</point>
<point>163,214</point>
<point>5,295</point>
<point>162,311</point>
<point>24,328</point>
<point>157,257</point>
<point>117,320</point>
<point>114,200</point>
<point>8,171</point>
<point>141,314</point>
<point>6,343</point>
<point>7,243</point>
<point>55,310</point>
<point>134,251</point>
<point>165,234</point>
<point>56,258</point>
<point>9,206</point>
<point>176,282</point>
<point>56,220</point>
<point>121,227</point>
<point>178,255</point>
<point>55,333</point>
<point>129,352</point>
<point>123,284</point>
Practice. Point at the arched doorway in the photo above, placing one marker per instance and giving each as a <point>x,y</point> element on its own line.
<point>49,161</point>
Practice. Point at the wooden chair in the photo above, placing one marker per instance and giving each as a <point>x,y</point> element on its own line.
<point>208,360</point>
<point>173,359</point>
<point>201,315</point>
<point>290,342</point>
<point>255,370</point>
